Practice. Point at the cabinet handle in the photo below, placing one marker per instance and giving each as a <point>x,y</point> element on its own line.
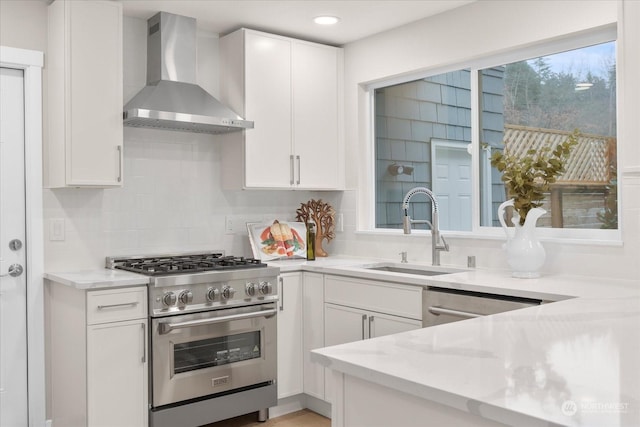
<point>298,160</point>
<point>119,148</point>
<point>144,346</point>
<point>126,304</point>
<point>465,314</point>
<point>281,293</point>
<point>364,318</point>
<point>291,169</point>
<point>370,325</point>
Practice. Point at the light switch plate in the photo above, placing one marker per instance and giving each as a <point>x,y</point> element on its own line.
<point>56,229</point>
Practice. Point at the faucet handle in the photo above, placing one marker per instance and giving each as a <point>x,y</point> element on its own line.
<point>403,254</point>
<point>444,242</point>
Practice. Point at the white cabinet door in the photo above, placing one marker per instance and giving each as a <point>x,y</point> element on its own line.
<point>348,324</point>
<point>344,324</point>
<point>381,324</point>
<point>117,374</point>
<point>315,115</point>
<point>313,332</point>
<point>290,335</point>
<point>290,89</point>
<point>267,154</point>
<point>84,71</point>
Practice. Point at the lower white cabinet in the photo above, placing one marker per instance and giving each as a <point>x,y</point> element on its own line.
<point>117,396</point>
<point>357,309</point>
<point>313,332</point>
<point>290,335</point>
<point>97,356</point>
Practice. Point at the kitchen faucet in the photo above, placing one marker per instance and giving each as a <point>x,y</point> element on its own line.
<point>436,247</point>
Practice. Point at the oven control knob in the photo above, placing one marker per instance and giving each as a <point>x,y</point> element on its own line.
<point>169,299</point>
<point>250,289</point>
<point>266,288</point>
<point>212,294</point>
<point>186,297</point>
<point>228,292</point>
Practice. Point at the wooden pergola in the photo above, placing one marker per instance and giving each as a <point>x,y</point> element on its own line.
<point>590,166</point>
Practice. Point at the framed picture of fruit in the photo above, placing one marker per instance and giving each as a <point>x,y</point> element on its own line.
<point>278,240</point>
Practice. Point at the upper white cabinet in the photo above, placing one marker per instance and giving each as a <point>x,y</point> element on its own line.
<point>291,89</point>
<point>84,73</point>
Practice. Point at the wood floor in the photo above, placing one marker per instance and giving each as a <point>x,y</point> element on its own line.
<point>304,418</point>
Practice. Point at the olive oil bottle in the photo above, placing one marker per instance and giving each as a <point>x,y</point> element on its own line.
<point>311,241</point>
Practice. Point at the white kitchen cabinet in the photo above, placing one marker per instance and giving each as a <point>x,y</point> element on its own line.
<point>313,332</point>
<point>357,309</point>
<point>121,345</point>
<point>290,335</point>
<point>97,353</point>
<point>85,82</point>
<point>291,89</point>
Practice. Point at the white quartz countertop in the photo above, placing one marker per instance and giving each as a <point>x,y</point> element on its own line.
<point>519,367</point>
<point>98,279</point>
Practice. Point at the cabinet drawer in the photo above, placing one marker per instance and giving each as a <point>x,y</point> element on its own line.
<point>114,305</point>
<point>381,297</point>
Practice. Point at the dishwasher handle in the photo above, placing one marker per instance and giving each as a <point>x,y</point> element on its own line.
<point>464,314</point>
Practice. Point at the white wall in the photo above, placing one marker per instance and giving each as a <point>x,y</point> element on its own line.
<point>23,24</point>
<point>453,39</point>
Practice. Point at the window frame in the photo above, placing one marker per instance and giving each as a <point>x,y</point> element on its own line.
<point>567,42</point>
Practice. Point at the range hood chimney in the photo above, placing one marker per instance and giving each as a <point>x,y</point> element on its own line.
<point>172,100</point>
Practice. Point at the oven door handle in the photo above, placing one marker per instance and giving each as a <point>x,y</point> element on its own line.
<point>165,328</point>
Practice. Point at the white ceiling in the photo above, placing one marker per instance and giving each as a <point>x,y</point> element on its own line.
<point>359,18</point>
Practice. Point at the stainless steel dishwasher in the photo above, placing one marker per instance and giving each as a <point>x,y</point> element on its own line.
<point>441,305</point>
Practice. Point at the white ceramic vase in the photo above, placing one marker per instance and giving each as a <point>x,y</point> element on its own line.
<point>525,253</point>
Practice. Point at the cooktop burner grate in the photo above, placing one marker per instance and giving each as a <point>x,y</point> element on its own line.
<point>182,264</point>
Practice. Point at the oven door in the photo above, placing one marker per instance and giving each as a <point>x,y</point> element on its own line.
<point>200,354</point>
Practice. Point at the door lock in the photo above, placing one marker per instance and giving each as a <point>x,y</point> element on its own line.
<point>15,244</point>
<point>15,270</point>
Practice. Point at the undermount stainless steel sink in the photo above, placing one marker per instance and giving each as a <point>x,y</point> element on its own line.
<point>421,270</point>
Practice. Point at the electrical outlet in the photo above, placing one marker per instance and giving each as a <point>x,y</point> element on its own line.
<point>228,225</point>
<point>339,223</point>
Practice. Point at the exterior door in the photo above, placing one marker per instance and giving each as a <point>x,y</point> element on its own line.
<point>452,184</point>
<point>13,306</point>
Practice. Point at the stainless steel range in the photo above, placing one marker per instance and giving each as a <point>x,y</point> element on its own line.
<point>212,336</point>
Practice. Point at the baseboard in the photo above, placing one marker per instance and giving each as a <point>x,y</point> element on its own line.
<point>318,406</point>
<point>287,405</point>
<point>298,402</point>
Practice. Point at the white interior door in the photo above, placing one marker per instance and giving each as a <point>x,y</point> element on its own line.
<point>13,311</point>
<point>452,184</point>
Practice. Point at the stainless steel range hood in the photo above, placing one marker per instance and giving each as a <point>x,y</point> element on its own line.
<point>172,100</point>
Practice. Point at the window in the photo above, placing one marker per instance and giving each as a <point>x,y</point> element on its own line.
<point>424,133</point>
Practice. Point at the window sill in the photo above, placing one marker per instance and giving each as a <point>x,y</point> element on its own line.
<point>612,238</point>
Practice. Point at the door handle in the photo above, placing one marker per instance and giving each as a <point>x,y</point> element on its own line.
<point>15,270</point>
<point>370,325</point>
<point>291,170</point>
<point>281,293</point>
<point>364,318</point>
<point>144,343</point>
<point>298,161</point>
<point>119,148</point>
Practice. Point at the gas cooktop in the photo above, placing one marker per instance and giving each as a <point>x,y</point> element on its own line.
<point>161,265</point>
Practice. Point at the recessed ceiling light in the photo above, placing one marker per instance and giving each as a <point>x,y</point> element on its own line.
<point>326,20</point>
